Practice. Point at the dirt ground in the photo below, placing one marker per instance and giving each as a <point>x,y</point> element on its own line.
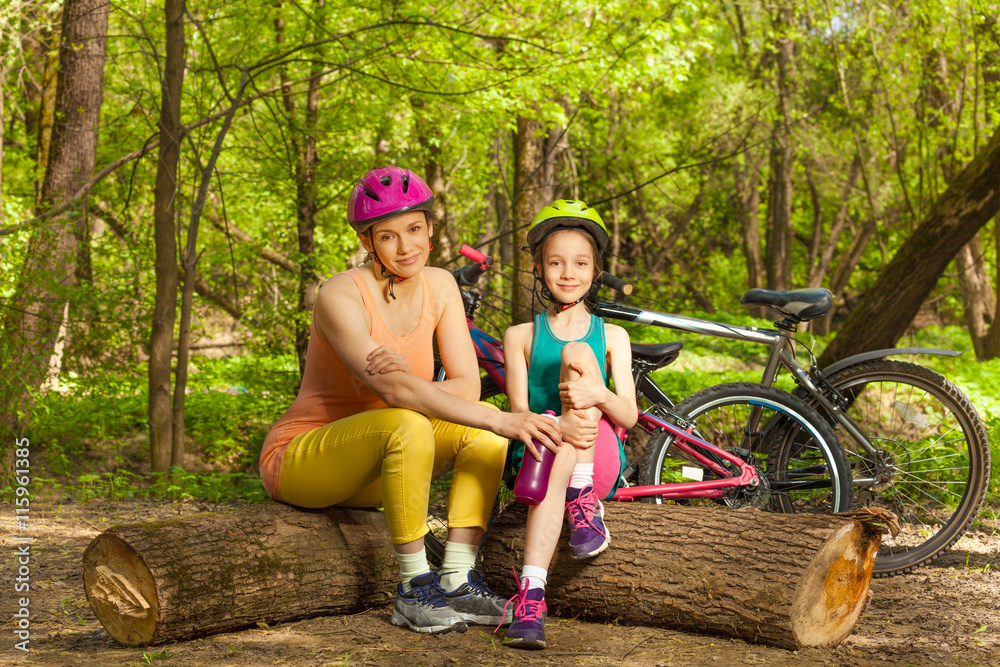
<point>945,614</point>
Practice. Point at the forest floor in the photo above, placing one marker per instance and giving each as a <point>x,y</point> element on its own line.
<point>944,614</point>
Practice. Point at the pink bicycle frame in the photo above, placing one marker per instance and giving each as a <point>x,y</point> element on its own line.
<point>712,488</point>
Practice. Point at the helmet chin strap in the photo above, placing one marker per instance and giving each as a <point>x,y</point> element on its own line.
<point>560,306</point>
<point>387,274</point>
<point>381,267</point>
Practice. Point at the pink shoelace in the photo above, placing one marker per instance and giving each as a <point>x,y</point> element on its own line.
<point>525,609</point>
<point>583,508</point>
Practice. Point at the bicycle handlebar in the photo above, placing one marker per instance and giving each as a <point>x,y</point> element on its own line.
<point>468,275</point>
<point>616,283</point>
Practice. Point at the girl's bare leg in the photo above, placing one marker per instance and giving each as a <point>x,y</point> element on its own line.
<point>581,354</point>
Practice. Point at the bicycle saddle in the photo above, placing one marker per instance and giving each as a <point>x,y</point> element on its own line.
<point>802,304</point>
<point>655,355</point>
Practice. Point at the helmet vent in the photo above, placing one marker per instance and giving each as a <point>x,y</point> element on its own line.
<point>406,183</point>
<point>385,180</point>
<point>371,194</point>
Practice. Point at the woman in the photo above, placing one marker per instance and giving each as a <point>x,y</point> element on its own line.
<point>368,426</point>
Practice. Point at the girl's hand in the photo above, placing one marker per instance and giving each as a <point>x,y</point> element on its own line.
<point>578,430</point>
<point>584,392</point>
<point>384,360</point>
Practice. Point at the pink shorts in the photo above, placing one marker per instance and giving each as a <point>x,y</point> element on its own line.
<point>607,458</point>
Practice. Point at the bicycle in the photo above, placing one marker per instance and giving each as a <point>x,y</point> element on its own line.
<point>730,462</point>
<point>915,443</point>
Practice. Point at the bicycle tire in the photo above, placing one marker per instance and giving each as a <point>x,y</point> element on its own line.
<point>816,479</point>
<point>437,505</point>
<point>900,406</point>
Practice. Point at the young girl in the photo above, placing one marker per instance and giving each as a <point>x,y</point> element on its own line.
<point>561,362</point>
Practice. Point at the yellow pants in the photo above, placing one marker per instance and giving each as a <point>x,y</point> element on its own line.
<point>388,457</point>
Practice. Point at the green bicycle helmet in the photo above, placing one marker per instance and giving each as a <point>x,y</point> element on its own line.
<point>567,213</point>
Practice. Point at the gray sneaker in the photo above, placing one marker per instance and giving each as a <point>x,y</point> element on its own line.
<point>477,604</point>
<point>423,607</point>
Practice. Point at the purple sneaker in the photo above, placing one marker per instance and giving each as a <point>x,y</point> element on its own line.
<point>528,629</point>
<point>588,535</point>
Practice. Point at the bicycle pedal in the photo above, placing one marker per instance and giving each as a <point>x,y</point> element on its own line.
<point>630,471</point>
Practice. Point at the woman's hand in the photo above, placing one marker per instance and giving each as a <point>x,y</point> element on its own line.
<point>384,360</point>
<point>584,392</point>
<point>526,426</point>
<point>578,430</point>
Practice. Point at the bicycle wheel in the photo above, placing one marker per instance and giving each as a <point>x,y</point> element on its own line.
<point>932,460</point>
<point>811,478</point>
<point>437,506</point>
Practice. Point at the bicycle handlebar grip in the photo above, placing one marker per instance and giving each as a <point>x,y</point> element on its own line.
<point>475,255</point>
<point>616,283</point>
<point>468,275</point>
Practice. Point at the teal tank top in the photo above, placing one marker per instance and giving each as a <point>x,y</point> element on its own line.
<point>545,362</point>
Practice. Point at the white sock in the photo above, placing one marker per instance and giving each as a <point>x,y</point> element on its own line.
<point>412,565</point>
<point>583,475</point>
<point>458,560</point>
<point>535,576</point>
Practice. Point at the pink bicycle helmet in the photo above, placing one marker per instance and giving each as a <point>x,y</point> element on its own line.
<point>385,192</point>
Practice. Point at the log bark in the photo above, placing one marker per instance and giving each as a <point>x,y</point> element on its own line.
<point>784,580</point>
<point>221,571</point>
<point>780,579</point>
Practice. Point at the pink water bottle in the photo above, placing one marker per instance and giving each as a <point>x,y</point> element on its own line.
<point>533,479</point>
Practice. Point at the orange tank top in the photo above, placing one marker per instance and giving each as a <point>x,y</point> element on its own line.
<point>330,391</point>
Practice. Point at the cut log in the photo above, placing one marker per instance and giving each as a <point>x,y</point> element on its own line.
<point>788,580</point>
<point>220,571</point>
<point>785,580</point>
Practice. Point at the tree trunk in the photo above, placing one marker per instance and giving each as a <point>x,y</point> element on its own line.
<point>975,287</point>
<point>221,571</point>
<point>778,260</point>
<point>556,145</point>
<point>788,580</point>
<point>890,304</point>
<point>747,190</point>
<point>977,294</point>
<point>817,271</point>
<point>442,243</point>
<point>841,277</point>
<point>47,109</point>
<point>161,338</point>
<point>529,153</point>
<point>303,148</point>
<point>190,263</point>
<point>50,273</point>
<point>609,180</point>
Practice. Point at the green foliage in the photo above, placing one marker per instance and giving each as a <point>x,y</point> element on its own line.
<point>230,407</point>
<point>992,420</point>
<point>233,402</point>
<point>149,656</point>
<point>177,485</point>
